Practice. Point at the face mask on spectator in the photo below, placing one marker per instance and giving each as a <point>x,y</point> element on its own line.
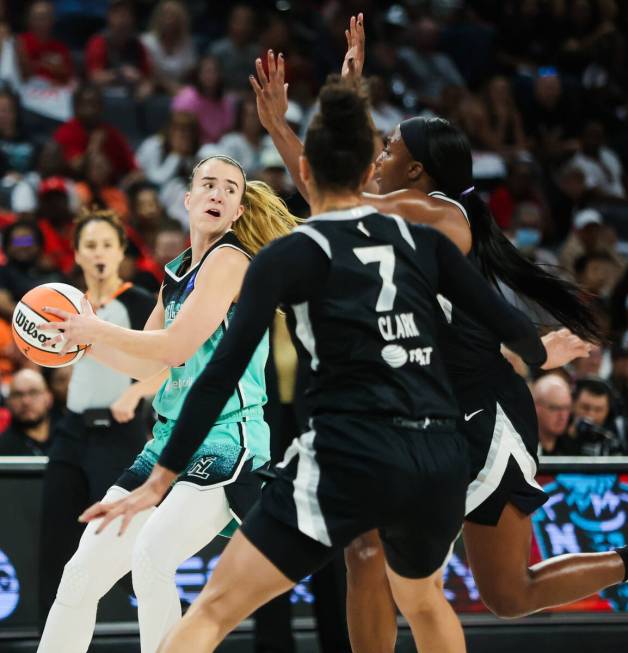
<point>527,238</point>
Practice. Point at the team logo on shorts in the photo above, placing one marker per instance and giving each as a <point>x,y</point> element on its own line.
<point>200,467</point>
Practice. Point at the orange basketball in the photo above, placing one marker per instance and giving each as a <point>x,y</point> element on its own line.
<point>29,315</point>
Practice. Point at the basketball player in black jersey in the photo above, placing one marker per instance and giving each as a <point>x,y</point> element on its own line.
<point>497,408</point>
<point>383,451</point>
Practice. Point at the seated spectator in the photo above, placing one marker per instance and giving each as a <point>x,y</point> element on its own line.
<point>431,69</point>
<point>206,99</point>
<point>589,235</point>
<point>29,403</point>
<point>170,154</point>
<point>597,273</point>
<point>602,168</point>
<point>116,60</point>
<point>10,53</point>
<point>23,244</point>
<point>385,115</point>
<point>552,399</point>
<point>147,215</point>
<point>97,189</point>
<point>521,185</point>
<point>169,45</point>
<point>54,218</point>
<point>170,242</point>
<point>246,142</point>
<point>15,147</point>
<point>505,123</point>
<point>551,119</point>
<point>43,55</point>
<point>566,196</point>
<point>89,131</point>
<point>236,52</point>
<point>595,430</point>
<point>58,382</point>
<point>528,231</point>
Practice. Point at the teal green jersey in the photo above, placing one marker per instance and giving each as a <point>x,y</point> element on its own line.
<point>246,402</point>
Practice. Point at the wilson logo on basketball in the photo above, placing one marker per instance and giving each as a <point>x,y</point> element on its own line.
<point>30,328</point>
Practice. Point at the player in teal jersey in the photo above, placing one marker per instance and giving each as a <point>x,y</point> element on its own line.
<point>230,220</point>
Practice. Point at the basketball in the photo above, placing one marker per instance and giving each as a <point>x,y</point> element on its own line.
<point>29,315</point>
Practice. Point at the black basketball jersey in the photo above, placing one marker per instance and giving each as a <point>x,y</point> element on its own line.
<point>470,350</point>
<point>372,335</point>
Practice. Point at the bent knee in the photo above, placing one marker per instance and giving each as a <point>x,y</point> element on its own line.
<point>150,563</point>
<point>81,582</point>
<point>506,602</point>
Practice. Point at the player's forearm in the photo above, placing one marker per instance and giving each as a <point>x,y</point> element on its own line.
<point>133,366</point>
<point>155,345</point>
<point>289,147</point>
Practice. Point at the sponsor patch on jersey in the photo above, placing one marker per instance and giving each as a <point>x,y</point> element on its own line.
<point>397,356</point>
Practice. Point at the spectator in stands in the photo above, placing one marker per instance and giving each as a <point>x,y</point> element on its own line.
<point>551,119</point>
<point>595,430</point>
<point>23,245</point>
<point>552,399</point>
<point>147,213</point>
<point>44,56</point>
<point>16,149</point>
<point>505,123</point>
<point>214,109</point>
<point>602,168</point>
<point>521,185</point>
<point>386,116</point>
<point>54,218</point>
<point>29,402</point>
<point>10,53</point>
<point>597,273</point>
<point>58,382</point>
<point>589,235</point>
<point>170,154</point>
<point>169,45</point>
<point>528,231</point>
<point>89,131</point>
<point>98,189</point>
<point>430,69</point>
<point>236,52</point>
<point>116,60</point>
<point>170,242</point>
<point>246,142</point>
<point>566,196</point>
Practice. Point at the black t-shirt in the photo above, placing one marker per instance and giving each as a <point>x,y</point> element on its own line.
<point>18,279</point>
<point>362,287</point>
<point>15,442</point>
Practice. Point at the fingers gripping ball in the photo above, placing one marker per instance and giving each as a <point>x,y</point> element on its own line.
<point>28,315</point>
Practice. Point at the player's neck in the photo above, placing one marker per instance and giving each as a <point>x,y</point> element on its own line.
<point>200,243</point>
<point>334,202</point>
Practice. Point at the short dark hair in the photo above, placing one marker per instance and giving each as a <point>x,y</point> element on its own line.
<point>339,144</point>
<point>7,234</point>
<point>593,385</point>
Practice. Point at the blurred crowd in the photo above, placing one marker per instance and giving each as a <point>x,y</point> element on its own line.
<point>110,103</point>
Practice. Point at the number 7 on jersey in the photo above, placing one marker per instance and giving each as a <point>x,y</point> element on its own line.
<point>385,256</point>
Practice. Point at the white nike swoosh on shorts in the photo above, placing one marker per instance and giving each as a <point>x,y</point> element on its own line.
<point>471,415</point>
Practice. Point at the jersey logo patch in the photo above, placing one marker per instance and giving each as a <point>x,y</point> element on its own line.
<point>363,229</point>
<point>469,416</point>
<point>201,467</point>
<point>398,356</point>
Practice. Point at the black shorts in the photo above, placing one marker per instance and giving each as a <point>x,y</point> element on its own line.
<point>499,421</point>
<point>351,474</point>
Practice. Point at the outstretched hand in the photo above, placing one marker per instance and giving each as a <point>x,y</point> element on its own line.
<point>354,58</point>
<point>271,91</point>
<point>562,347</point>
<point>144,497</point>
<point>76,329</point>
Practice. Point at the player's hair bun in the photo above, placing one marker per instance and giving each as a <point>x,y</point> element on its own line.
<point>343,107</point>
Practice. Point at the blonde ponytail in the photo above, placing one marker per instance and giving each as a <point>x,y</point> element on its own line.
<point>265,217</point>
